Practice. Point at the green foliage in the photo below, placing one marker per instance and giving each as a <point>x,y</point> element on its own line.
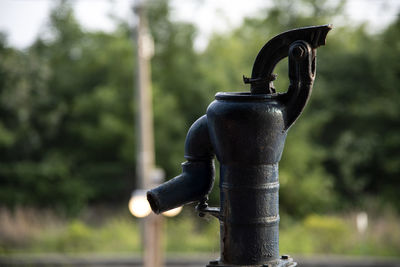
<point>177,85</point>
<point>305,184</point>
<point>67,137</point>
<point>37,232</point>
<point>115,235</point>
<point>325,230</point>
<point>184,236</point>
<point>66,118</point>
<point>318,234</point>
<point>345,143</point>
<point>360,101</point>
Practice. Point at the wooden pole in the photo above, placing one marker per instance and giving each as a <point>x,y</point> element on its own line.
<point>152,224</point>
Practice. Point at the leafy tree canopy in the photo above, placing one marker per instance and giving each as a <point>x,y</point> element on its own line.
<point>67,108</point>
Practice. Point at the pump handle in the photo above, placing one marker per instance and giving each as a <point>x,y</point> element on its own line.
<point>277,49</point>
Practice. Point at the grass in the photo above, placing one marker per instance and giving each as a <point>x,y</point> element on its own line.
<point>319,234</point>
<point>34,231</point>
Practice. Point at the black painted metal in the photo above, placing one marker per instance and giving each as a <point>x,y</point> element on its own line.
<point>197,177</point>
<point>247,132</point>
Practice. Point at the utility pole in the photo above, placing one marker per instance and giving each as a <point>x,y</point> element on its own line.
<point>152,224</point>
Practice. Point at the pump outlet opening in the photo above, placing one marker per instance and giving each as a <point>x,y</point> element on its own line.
<point>155,206</point>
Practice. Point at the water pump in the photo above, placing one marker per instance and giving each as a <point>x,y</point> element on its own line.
<point>246,132</point>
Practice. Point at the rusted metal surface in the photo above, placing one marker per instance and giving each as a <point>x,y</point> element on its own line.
<point>247,131</point>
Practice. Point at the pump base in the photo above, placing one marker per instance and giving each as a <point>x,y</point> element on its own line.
<point>284,261</point>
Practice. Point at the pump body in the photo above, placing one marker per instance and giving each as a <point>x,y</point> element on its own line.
<point>246,132</point>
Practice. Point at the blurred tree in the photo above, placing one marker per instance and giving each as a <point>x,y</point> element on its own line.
<point>68,103</point>
<point>67,123</point>
<point>346,141</point>
<point>66,108</point>
<point>180,95</point>
<point>361,106</point>
<point>305,184</point>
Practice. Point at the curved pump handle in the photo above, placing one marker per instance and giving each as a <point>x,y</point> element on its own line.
<point>277,49</point>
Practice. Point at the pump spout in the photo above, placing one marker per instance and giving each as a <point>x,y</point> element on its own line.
<point>197,176</point>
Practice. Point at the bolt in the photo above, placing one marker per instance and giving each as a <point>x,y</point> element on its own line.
<point>298,52</point>
<point>285,257</point>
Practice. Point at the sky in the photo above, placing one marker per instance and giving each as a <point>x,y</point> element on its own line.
<point>23,20</point>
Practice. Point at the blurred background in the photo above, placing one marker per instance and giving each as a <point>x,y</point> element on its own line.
<point>68,108</point>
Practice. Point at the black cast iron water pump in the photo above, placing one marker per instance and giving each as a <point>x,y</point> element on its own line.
<point>246,132</point>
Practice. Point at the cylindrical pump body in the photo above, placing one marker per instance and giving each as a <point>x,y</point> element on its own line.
<point>248,134</point>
